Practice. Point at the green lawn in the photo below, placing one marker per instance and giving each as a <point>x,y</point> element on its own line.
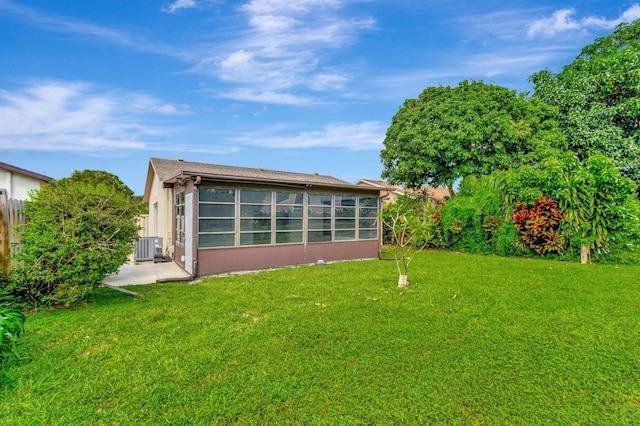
<point>473,340</point>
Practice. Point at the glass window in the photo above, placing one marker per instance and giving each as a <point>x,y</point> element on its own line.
<point>217,195</point>
<point>289,211</point>
<point>255,238</point>
<point>368,202</point>
<point>288,224</point>
<point>319,236</point>
<point>319,211</point>
<point>368,234</point>
<point>319,224</point>
<point>319,199</point>
<point>345,201</point>
<point>288,237</point>
<point>180,222</point>
<point>345,235</point>
<point>367,223</point>
<point>255,210</point>
<point>216,225</point>
<point>289,198</point>
<point>255,225</point>
<point>345,224</point>
<point>216,240</point>
<point>216,210</point>
<point>255,197</point>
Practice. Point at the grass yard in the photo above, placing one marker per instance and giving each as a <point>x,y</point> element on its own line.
<point>473,340</point>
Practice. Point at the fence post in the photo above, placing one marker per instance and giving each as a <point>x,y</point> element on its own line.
<point>4,231</point>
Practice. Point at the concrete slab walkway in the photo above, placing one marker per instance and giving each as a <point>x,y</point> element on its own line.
<point>136,273</point>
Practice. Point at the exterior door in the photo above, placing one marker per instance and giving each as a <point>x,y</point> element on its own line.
<point>188,233</point>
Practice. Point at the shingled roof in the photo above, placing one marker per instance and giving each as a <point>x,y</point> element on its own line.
<point>170,171</point>
<point>25,172</point>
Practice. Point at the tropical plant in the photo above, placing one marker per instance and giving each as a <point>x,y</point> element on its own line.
<point>539,226</point>
<point>596,201</point>
<point>11,327</point>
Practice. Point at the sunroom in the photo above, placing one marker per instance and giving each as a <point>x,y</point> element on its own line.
<point>227,218</point>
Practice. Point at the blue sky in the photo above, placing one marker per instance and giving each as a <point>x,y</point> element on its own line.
<point>305,86</point>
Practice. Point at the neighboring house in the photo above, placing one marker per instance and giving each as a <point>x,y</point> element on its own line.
<point>215,219</point>
<point>390,193</point>
<point>17,182</point>
<point>15,186</point>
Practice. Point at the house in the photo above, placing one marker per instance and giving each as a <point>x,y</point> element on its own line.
<point>15,186</point>
<point>215,219</point>
<point>390,193</point>
<point>16,183</point>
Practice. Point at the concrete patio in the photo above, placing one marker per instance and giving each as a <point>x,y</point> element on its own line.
<point>137,273</point>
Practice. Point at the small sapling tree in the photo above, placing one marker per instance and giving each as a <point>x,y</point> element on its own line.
<point>411,223</point>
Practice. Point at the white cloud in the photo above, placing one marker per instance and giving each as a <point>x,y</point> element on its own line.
<point>178,4</point>
<point>562,21</point>
<point>283,48</point>
<point>248,94</point>
<point>75,116</point>
<point>367,135</point>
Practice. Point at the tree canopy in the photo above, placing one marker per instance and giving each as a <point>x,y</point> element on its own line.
<point>473,128</point>
<point>598,98</point>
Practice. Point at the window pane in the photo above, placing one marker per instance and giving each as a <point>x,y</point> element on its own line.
<point>255,197</point>
<point>257,238</point>
<point>319,211</point>
<point>216,225</point>
<point>255,225</point>
<point>368,213</point>
<point>367,223</point>
<point>345,235</point>
<point>319,223</point>
<point>215,240</point>
<point>289,197</point>
<point>345,224</point>
<point>345,201</point>
<point>217,194</point>
<point>249,210</point>
<point>368,234</point>
<point>368,202</point>
<point>288,224</point>
<point>319,236</point>
<point>289,211</point>
<point>216,210</point>
<point>288,237</point>
<point>319,200</point>
<point>345,212</point>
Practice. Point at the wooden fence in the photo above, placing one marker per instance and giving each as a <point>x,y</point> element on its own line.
<point>10,217</point>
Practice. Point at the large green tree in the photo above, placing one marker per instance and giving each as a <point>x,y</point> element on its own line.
<point>471,129</point>
<point>598,99</point>
<point>78,230</point>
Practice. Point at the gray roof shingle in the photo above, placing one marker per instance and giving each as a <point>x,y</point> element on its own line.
<point>169,170</point>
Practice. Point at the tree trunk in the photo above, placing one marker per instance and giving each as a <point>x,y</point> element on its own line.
<point>585,251</point>
<point>402,281</point>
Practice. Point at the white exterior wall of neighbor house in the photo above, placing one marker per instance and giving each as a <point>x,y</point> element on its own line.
<point>160,197</point>
<point>18,186</point>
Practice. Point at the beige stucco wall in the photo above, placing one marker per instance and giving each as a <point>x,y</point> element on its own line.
<point>18,186</point>
<point>162,220</point>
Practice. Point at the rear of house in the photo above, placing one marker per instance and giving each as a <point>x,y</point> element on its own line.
<point>215,219</point>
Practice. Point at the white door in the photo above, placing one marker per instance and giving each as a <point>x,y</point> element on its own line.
<point>188,233</point>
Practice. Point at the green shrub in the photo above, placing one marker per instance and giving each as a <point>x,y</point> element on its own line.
<point>11,327</point>
<point>78,231</point>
